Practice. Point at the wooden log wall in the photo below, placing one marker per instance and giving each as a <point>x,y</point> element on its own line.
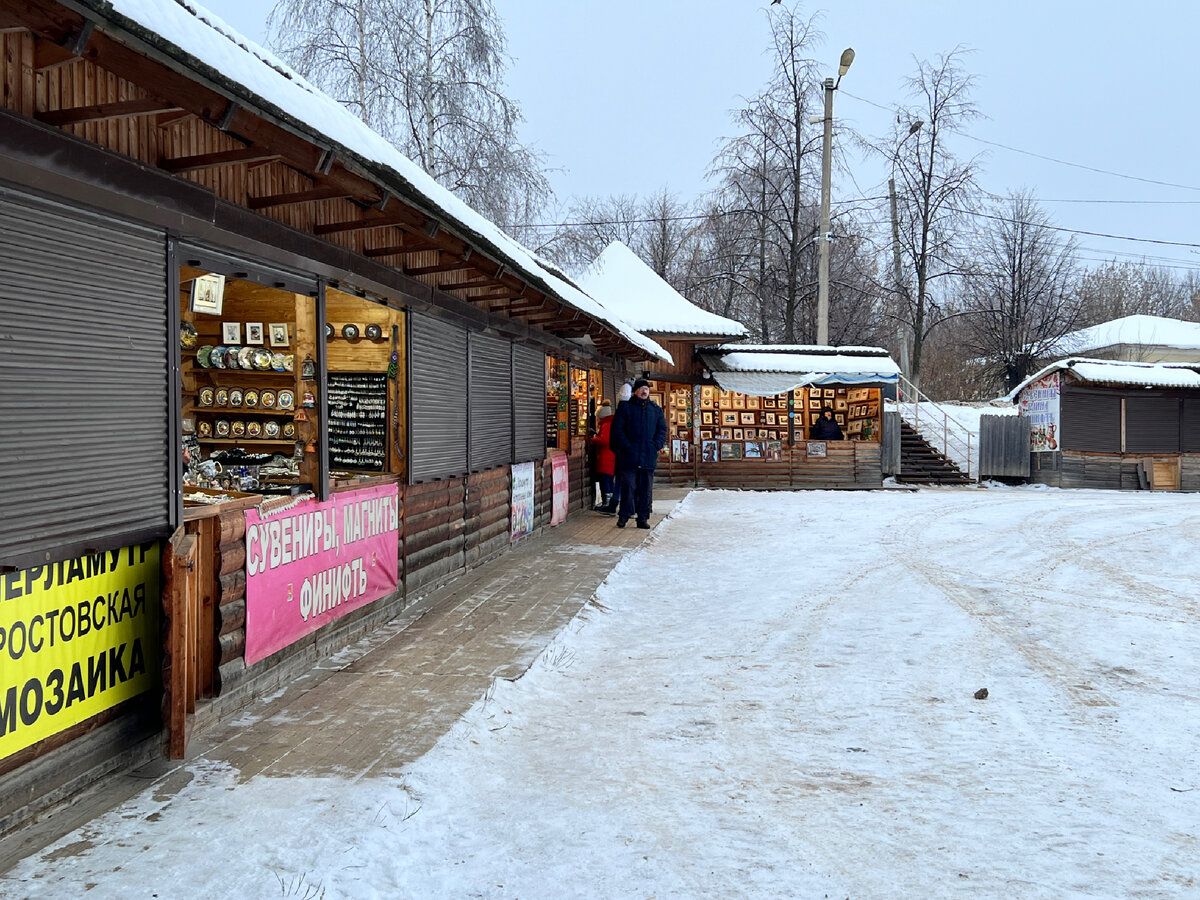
<point>578,483</point>
<point>486,532</point>
<point>432,544</point>
<point>1104,471</point>
<point>543,494</point>
<point>1189,472</point>
<point>848,464</point>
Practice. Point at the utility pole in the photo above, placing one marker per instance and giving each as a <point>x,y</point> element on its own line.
<point>897,273</point>
<point>826,176</point>
<point>823,237</point>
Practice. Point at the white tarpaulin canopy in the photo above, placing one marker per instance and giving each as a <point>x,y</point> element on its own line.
<point>766,370</point>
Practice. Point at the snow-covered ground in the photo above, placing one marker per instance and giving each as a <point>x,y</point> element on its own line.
<point>772,698</point>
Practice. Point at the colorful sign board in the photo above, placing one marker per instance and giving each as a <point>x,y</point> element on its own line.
<point>76,638</point>
<point>1039,403</point>
<point>315,562</point>
<point>560,498</point>
<point>521,520</point>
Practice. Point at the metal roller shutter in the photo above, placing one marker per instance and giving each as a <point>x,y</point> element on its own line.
<point>1091,421</point>
<point>84,413</point>
<point>529,403</point>
<point>1152,424</point>
<point>491,402</point>
<point>438,398</point>
<point>1191,426</point>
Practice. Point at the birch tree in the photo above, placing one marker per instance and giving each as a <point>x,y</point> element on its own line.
<point>429,76</point>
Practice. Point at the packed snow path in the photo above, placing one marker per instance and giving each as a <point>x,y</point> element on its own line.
<point>773,698</point>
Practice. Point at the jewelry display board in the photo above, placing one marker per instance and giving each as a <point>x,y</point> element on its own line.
<point>358,420</point>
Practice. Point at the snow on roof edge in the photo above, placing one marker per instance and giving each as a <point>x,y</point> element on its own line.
<point>1071,364</point>
<point>150,19</point>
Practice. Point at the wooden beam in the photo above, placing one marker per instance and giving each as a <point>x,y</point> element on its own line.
<point>357,224</point>
<point>49,55</point>
<point>451,265</point>
<point>312,195</point>
<point>166,120</point>
<point>122,109</point>
<point>221,158</point>
<point>505,294</point>
<point>477,281</point>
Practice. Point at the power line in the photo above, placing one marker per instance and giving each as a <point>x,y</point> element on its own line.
<point>1053,159</point>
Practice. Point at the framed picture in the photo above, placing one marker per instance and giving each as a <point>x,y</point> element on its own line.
<point>858,394</point>
<point>708,451</point>
<point>763,434</point>
<point>729,418</point>
<point>255,333</point>
<point>753,402</point>
<point>872,410</point>
<point>737,434</point>
<point>731,451</point>
<point>814,402</point>
<point>839,418</point>
<point>840,404</point>
<point>724,397</point>
<point>706,434</point>
<point>657,398</point>
<point>769,418</point>
<point>739,401</point>
<point>231,332</point>
<point>816,449</point>
<point>708,392</point>
<point>746,418</point>
<point>812,418</point>
<point>769,403</point>
<point>706,402</point>
<point>726,434</point>
<point>773,450</point>
<point>754,450</point>
<point>706,417</point>
<point>207,294</point>
<point>279,334</point>
<point>830,393</point>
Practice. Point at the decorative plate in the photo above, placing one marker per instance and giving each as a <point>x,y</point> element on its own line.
<point>222,397</point>
<point>251,399</point>
<point>350,332</point>
<point>204,429</point>
<point>374,332</point>
<point>285,400</point>
<point>267,399</point>
<point>289,362</point>
<point>235,397</point>
<point>202,356</point>
<point>222,428</point>
<point>238,429</point>
<point>188,336</point>
<point>328,332</point>
<point>289,430</point>
<point>243,357</point>
<point>277,362</point>
<point>261,359</point>
<point>271,430</point>
<point>205,398</point>
<point>254,430</point>
<point>217,357</point>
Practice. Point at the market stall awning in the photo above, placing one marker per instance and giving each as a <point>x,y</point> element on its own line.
<point>766,370</point>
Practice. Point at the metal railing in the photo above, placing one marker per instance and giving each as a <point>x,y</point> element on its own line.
<point>939,429</point>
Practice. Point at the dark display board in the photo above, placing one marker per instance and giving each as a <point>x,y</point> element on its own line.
<point>358,420</point>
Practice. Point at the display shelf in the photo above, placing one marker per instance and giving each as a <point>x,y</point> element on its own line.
<point>241,411</point>
<point>246,442</point>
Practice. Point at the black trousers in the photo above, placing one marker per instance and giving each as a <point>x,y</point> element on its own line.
<point>637,493</point>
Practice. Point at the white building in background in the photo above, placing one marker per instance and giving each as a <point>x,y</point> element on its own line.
<point>1135,339</point>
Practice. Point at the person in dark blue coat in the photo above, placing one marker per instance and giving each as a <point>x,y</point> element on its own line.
<point>826,428</point>
<point>639,431</point>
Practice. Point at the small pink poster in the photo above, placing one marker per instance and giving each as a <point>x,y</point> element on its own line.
<point>311,564</point>
<point>561,495</point>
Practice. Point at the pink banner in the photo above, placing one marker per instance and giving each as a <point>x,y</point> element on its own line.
<point>315,562</point>
<point>561,496</point>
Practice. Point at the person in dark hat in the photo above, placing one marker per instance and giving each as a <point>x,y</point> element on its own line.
<point>826,428</point>
<point>639,431</point>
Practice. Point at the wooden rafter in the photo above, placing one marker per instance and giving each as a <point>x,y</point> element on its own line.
<point>466,284</point>
<point>220,158</point>
<point>363,224</point>
<point>312,195</point>
<point>122,109</point>
<point>448,265</point>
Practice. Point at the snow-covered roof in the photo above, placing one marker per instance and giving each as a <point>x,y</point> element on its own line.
<point>204,43</point>
<point>1118,372</point>
<point>620,280</point>
<point>1147,331</point>
<point>770,369</point>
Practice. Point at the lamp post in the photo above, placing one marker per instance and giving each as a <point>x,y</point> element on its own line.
<point>897,274</point>
<point>826,177</point>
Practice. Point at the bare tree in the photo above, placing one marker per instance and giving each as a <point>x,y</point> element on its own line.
<point>429,76</point>
<point>1024,296</point>
<point>934,193</point>
<point>1115,289</point>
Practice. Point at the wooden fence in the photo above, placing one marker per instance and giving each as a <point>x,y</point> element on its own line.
<point>1003,447</point>
<point>847,464</point>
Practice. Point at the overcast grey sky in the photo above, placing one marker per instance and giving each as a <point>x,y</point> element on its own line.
<point>626,96</point>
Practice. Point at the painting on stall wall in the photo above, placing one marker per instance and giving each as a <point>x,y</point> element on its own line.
<point>522,501</point>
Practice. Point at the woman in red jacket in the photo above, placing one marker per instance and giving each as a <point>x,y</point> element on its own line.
<point>606,462</point>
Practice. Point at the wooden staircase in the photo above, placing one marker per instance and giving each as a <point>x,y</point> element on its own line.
<point>920,463</point>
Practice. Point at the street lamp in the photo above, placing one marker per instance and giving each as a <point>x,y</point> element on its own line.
<point>897,274</point>
<point>826,177</point>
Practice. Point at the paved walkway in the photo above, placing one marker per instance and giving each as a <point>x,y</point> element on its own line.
<point>378,705</point>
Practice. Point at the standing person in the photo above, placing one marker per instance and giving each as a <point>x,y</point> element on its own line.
<point>827,428</point>
<point>639,431</point>
<point>606,461</point>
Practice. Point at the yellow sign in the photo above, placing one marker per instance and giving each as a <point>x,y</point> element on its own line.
<point>76,638</point>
